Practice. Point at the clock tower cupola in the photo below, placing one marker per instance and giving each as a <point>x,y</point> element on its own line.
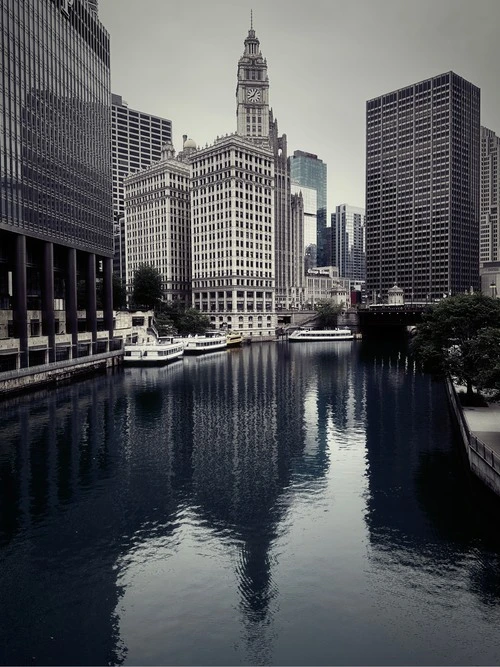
<point>252,90</point>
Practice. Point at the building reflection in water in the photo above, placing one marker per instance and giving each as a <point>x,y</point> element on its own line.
<point>101,478</point>
<point>426,516</point>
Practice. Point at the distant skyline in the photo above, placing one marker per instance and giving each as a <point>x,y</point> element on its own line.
<point>326,58</point>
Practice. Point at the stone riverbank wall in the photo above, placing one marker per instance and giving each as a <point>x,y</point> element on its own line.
<point>28,379</point>
<point>483,461</point>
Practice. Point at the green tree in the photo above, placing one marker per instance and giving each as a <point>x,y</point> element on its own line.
<point>453,337</point>
<point>119,293</point>
<point>181,318</point>
<point>328,312</point>
<point>147,287</point>
<point>486,358</point>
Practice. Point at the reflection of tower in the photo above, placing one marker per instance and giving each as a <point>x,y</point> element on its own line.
<point>76,468</point>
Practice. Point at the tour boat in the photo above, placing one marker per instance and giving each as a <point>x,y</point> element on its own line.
<point>210,341</point>
<point>160,351</point>
<point>308,335</point>
<point>234,339</point>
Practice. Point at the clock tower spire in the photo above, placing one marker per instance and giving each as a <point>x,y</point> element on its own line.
<point>252,90</point>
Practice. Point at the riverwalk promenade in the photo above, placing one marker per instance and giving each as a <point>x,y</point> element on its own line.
<point>480,432</point>
<point>484,423</point>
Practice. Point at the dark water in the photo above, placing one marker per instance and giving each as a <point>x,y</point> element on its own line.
<point>280,504</point>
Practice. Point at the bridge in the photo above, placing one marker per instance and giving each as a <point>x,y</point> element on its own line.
<point>384,316</point>
<point>368,319</point>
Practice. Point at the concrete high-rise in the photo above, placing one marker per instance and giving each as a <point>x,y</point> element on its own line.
<point>56,226</point>
<point>93,4</point>
<point>232,218</point>
<point>348,242</point>
<point>307,169</point>
<point>490,197</point>
<point>422,188</point>
<point>310,199</point>
<point>158,225</point>
<point>137,140</point>
<point>256,122</point>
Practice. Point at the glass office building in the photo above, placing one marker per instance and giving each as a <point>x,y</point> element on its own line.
<point>307,169</point>
<point>348,242</point>
<point>56,226</point>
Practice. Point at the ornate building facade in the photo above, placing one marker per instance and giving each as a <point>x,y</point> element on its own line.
<point>158,224</point>
<point>233,235</point>
<point>255,120</point>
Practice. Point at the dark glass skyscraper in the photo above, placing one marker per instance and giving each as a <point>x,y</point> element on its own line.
<point>308,170</point>
<point>422,189</point>
<point>56,231</point>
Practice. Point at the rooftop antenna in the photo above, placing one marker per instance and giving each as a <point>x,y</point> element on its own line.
<point>251,19</point>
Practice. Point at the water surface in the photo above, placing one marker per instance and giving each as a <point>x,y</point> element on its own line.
<point>280,504</point>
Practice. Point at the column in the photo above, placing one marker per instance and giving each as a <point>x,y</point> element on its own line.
<point>91,300</point>
<point>20,303</point>
<point>107,296</point>
<point>71,304</point>
<point>48,316</point>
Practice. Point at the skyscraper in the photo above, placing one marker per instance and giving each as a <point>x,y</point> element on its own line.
<point>93,4</point>
<point>56,229</point>
<point>422,188</point>
<point>490,197</point>
<point>348,242</point>
<point>307,169</point>
<point>137,140</point>
<point>232,217</point>
<point>158,225</point>
<point>310,199</point>
<point>255,120</point>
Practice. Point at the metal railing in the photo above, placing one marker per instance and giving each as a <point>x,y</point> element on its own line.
<point>483,451</point>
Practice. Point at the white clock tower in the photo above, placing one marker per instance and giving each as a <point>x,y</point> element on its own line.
<point>252,91</point>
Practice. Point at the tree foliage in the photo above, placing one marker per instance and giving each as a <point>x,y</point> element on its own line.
<point>147,287</point>
<point>119,293</point>
<point>458,336</point>
<point>178,318</point>
<point>328,312</point>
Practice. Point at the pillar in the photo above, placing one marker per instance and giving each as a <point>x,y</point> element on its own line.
<point>107,296</point>
<point>71,304</point>
<point>48,316</point>
<point>91,300</point>
<point>20,302</point>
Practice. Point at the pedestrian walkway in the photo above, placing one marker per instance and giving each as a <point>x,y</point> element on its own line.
<point>484,423</point>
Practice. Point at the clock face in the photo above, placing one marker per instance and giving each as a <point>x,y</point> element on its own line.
<point>253,95</point>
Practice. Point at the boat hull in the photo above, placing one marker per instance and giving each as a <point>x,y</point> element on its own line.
<point>151,355</point>
<point>310,336</point>
<point>203,348</point>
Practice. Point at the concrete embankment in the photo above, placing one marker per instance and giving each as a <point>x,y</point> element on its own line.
<point>28,379</point>
<point>480,433</point>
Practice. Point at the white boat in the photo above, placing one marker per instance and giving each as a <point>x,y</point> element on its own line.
<point>308,335</point>
<point>159,351</point>
<point>210,341</point>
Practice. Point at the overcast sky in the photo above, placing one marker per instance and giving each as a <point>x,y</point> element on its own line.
<point>178,59</point>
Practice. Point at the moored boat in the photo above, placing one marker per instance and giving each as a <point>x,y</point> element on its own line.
<point>234,339</point>
<point>210,341</point>
<point>308,335</point>
<point>160,351</point>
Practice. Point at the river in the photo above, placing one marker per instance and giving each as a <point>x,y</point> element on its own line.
<point>281,504</point>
